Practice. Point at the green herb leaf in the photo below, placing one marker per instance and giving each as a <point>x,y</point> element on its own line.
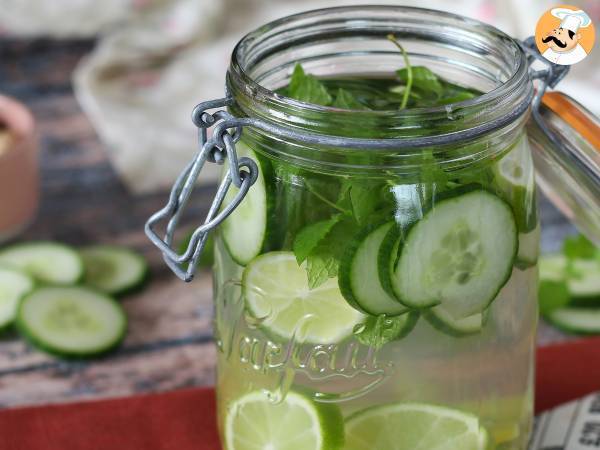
<point>364,201</point>
<point>579,247</point>
<point>307,88</point>
<point>323,261</point>
<point>423,79</point>
<point>345,100</point>
<point>552,295</point>
<point>309,237</point>
<point>457,97</point>
<point>379,330</point>
<point>319,268</point>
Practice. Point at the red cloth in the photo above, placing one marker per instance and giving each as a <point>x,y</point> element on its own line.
<point>185,419</point>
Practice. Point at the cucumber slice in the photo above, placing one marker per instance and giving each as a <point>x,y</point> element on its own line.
<point>277,294</point>
<point>460,254</point>
<point>113,270</point>
<point>576,320</point>
<point>583,284</point>
<point>529,248</point>
<point>47,262</point>
<point>244,231</point>
<point>442,320</point>
<point>515,176</point>
<point>359,277</point>
<point>13,286</point>
<point>71,321</point>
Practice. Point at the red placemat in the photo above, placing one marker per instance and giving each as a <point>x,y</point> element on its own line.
<point>185,420</point>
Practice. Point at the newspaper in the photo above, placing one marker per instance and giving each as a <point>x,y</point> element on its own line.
<point>572,426</point>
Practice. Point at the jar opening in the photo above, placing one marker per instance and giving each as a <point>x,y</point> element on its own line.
<point>343,41</point>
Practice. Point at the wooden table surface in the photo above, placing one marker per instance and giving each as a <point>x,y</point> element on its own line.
<point>169,342</point>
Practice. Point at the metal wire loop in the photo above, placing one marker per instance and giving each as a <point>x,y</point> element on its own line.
<point>242,173</point>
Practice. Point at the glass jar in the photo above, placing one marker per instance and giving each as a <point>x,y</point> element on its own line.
<point>377,284</point>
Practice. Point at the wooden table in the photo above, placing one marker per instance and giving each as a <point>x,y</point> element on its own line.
<point>169,343</point>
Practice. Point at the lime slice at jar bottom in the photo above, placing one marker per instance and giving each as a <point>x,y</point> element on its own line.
<point>414,426</point>
<point>255,423</point>
<point>276,292</point>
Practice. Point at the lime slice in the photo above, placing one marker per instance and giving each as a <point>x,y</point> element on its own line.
<point>414,426</point>
<point>255,423</point>
<point>277,294</point>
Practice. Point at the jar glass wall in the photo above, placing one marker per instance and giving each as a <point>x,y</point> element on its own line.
<point>360,277</point>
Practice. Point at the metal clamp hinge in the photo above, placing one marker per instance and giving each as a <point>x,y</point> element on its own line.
<point>242,173</point>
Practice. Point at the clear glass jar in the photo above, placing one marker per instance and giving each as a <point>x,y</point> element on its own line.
<point>419,287</point>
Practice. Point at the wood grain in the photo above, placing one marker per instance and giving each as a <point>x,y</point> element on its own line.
<point>169,344</point>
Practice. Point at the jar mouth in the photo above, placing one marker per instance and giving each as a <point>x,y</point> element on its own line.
<point>342,41</point>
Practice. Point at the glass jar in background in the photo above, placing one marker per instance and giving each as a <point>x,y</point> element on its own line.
<point>376,285</point>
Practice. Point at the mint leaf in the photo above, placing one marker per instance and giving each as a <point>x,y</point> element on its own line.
<point>423,79</point>
<point>552,295</point>
<point>364,200</point>
<point>319,268</point>
<point>307,88</point>
<point>309,237</point>
<point>323,261</point>
<point>379,330</point>
<point>345,100</point>
<point>579,247</point>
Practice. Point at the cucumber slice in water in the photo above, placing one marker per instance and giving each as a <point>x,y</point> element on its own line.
<point>254,422</point>
<point>529,248</point>
<point>583,283</point>
<point>244,231</point>
<point>460,254</point>
<point>48,262</point>
<point>441,319</point>
<point>113,270</point>
<point>13,286</point>
<point>515,177</point>
<point>414,426</point>
<point>359,277</point>
<point>71,321</point>
<point>277,294</point>
<point>576,320</point>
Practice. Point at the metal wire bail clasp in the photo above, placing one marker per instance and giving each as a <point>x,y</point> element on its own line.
<point>242,173</point>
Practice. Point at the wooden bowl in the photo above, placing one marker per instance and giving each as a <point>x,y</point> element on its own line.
<point>19,177</point>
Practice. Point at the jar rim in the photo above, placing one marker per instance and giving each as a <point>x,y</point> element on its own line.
<point>513,95</point>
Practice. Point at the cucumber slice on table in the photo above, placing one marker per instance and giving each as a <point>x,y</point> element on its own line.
<point>254,422</point>
<point>13,286</point>
<point>459,255</point>
<point>113,270</point>
<point>277,294</point>
<point>529,248</point>
<point>576,320</point>
<point>515,177</point>
<point>71,321</point>
<point>414,426</point>
<point>48,262</point>
<point>244,231</point>
<point>359,275</point>
<point>441,319</point>
<point>584,281</point>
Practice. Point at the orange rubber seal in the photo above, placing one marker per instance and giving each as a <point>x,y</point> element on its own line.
<point>568,111</point>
